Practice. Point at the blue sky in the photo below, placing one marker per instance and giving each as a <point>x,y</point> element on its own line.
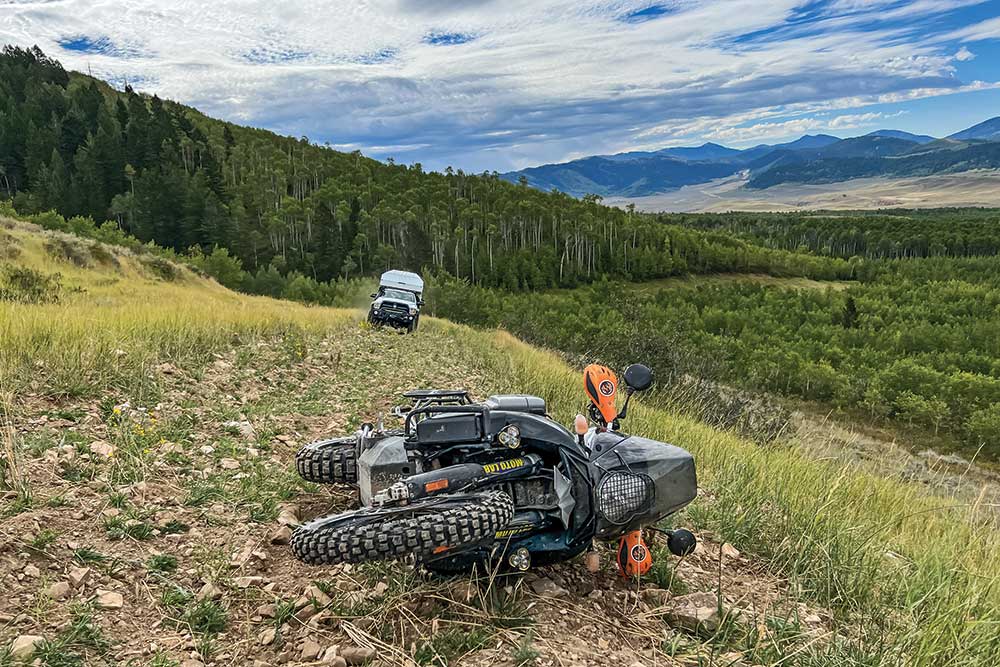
<point>490,84</point>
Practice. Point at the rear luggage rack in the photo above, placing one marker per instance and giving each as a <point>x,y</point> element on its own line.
<point>422,398</point>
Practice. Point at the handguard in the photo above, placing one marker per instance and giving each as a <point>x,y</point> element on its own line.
<point>634,558</point>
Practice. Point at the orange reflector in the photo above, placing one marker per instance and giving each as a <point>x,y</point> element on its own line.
<point>440,550</point>
<point>430,487</point>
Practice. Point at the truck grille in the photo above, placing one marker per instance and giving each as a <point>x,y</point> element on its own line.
<point>622,495</point>
<point>395,308</point>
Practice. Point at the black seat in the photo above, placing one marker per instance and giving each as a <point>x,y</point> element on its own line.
<point>517,403</point>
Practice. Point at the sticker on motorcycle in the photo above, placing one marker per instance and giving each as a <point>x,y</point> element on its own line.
<point>502,466</point>
<point>510,532</point>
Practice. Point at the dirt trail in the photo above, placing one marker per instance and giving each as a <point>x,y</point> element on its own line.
<point>154,536</point>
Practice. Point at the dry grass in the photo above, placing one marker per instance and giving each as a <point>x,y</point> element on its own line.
<point>113,322</point>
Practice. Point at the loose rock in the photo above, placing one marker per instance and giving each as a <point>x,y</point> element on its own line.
<point>357,655</point>
<point>314,593</point>
<point>695,612</point>
<point>78,576</point>
<point>244,428</point>
<point>247,582</point>
<point>59,590</point>
<point>110,600</point>
<point>102,448</point>
<point>283,535</point>
<point>548,588</point>
<point>656,596</point>
<point>309,650</point>
<point>289,516</point>
<point>25,645</point>
<point>208,592</point>
<point>331,658</point>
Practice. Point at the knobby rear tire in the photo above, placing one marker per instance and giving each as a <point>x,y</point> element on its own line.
<point>422,532</point>
<point>333,461</point>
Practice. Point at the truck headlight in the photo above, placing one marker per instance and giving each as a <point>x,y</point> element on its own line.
<point>413,311</point>
<point>375,311</point>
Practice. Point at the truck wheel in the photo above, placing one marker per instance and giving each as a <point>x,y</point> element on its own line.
<point>333,461</point>
<point>425,529</point>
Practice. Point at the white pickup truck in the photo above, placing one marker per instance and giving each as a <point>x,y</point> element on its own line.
<point>398,300</point>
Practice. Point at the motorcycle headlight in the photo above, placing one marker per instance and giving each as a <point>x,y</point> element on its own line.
<point>510,436</point>
<point>622,495</point>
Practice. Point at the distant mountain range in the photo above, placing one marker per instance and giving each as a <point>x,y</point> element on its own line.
<point>819,158</point>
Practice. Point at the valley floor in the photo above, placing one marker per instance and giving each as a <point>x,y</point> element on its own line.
<point>966,189</point>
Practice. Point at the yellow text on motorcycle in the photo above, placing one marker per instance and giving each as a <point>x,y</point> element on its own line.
<point>503,466</point>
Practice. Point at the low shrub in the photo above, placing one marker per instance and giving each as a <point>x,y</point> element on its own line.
<point>68,249</point>
<point>26,285</point>
<point>160,268</point>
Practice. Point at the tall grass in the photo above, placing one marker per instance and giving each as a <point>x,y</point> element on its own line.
<point>912,578</point>
<point>113,322</point>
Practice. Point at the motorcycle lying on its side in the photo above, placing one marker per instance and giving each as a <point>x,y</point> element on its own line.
<point>498,482</point>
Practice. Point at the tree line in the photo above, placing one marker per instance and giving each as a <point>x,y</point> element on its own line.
<point>163,172</point>
<point>892,234</point>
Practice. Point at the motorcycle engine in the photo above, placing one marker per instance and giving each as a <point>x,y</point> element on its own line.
<point>381,465</point>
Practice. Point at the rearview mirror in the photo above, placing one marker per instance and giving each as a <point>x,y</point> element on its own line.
<point>638,377</point>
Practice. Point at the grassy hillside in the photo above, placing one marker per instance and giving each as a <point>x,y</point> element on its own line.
<point>150,417</point>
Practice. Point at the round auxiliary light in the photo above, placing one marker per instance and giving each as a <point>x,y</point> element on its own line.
<point>510,436</point>
<point>520,559</point>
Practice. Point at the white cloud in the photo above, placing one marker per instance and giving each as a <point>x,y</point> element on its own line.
<point>508,83</point>
<point>988,29</point>
<point>777,130</point>
<point>964,55</point>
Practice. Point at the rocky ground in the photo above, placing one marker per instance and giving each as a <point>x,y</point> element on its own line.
<point>154,531</point>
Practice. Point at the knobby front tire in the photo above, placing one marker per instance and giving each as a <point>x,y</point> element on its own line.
<point>434,527</point>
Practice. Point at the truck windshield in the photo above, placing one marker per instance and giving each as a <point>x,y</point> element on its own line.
<point>399,295</point>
